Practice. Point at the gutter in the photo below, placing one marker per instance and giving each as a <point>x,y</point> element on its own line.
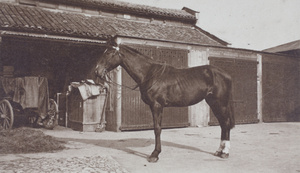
<point>51,37</point>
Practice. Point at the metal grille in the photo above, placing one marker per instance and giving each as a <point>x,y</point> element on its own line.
<point>135,113</point>
<point>244,76</point>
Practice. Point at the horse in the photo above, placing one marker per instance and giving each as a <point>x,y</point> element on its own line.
<point>163,85</point>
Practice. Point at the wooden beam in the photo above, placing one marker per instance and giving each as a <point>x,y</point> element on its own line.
<point>52,37</point>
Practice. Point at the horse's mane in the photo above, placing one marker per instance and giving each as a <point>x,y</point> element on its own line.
<point>137,53</point>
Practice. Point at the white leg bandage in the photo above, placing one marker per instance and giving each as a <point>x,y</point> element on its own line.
<point>224,146</point>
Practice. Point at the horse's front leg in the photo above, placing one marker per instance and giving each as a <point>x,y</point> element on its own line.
<point>157,118</point>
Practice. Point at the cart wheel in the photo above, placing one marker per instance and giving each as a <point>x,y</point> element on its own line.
<point>52,115</point>
<point>6,115</point>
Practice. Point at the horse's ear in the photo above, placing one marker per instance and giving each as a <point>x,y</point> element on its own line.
<point>114,42</point>
<point>111,42</point>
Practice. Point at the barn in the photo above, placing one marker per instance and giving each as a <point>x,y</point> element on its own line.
<point>62,40</point>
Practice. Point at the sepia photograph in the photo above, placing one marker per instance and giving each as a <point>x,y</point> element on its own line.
<point>135,86</point>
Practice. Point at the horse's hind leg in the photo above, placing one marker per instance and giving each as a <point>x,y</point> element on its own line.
<point>223,150</point>
<point>222,113</point>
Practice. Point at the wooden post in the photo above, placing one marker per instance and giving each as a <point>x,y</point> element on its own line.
<point>119,99</point>
<point>259,88</point>
<point>198,113</point>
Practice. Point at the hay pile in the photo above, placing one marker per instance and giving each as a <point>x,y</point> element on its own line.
<point>27,140</point>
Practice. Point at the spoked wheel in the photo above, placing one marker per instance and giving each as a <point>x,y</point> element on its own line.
<point>6,115</point>
<point>52,115</point>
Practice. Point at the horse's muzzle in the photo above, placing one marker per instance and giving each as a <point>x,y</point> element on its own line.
<point>96,73</point>
<point>101,75</point>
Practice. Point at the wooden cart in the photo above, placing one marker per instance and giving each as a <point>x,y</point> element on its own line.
<point>26,96</point>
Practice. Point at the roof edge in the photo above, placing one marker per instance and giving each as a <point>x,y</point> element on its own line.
<point>290,46</point>
<point>51,37</point>
<point>171,41</point>
<point>213,36</point>
<point>130,8</point>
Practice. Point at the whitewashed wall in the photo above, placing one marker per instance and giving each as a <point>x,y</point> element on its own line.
<point>198,113</point>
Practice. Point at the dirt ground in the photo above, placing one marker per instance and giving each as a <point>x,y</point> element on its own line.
<point>266,147</point>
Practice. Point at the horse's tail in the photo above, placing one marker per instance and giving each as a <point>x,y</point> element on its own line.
<point>230,110</point>
<point>227,79</point>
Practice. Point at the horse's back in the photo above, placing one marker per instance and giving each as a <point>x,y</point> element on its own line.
<point>183,87</point>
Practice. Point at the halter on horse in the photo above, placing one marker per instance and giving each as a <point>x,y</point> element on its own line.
<point>166,86</point>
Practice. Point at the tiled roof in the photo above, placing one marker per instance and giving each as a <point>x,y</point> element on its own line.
<point>37,20</point>
<point>294,45</point>
<point>118,6</point>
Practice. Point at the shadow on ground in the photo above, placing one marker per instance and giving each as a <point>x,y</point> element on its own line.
<point>126,145</point>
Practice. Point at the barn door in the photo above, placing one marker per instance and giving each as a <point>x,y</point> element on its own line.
<point>280,89</point>
<point>244,75</point>
<point>135,113</point>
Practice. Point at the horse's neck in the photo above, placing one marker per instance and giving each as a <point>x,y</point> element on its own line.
<point>137,67</point>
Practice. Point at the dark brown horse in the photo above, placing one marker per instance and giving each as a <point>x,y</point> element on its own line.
<point>162,86</point>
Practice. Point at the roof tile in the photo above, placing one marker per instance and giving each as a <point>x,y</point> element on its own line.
<point>294,45</point>
<point>37,20</point>
<point>138,9</point>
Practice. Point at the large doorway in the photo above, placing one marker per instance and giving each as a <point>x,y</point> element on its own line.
<point>244,76</point>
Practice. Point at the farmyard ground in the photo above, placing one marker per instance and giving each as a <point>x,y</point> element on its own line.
<point>266,147</point>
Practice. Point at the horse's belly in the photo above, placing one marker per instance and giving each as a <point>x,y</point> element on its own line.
<point>174,95</point>
<point>186,98</point>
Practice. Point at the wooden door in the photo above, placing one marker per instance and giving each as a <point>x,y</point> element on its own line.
<point>280,89</point>
<point>244,77</point>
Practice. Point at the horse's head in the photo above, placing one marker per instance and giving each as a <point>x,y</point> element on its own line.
<point>110,59</point>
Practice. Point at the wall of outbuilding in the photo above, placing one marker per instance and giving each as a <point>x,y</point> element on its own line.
<point>250,73</point>
<point>280,88</point>
<point>276,76</point>
<point>199,114</point>
<point>233,61</point>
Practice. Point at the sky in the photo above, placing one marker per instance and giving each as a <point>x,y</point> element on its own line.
<point>247,24</point>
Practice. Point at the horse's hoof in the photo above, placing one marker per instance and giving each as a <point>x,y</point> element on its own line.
<point>221,154</point>
<point>218,153</point>
<point>224,155</point>
<point>152,159</point>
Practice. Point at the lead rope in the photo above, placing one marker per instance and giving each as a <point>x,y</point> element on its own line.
<point>110,81</point>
